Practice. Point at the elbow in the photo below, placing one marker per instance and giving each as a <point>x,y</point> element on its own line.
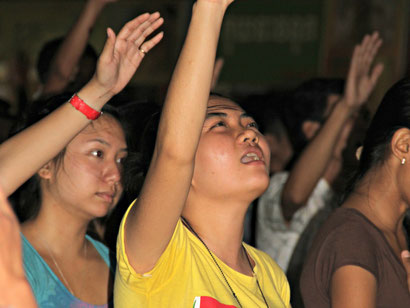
<point>290,205</point>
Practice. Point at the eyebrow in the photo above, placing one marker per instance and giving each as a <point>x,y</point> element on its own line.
<point>224,115</point>
<point>106,143</point>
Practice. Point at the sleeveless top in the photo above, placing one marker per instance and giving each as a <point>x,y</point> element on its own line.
<point>48,290</point>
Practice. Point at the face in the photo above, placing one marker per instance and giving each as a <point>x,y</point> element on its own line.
<point>232,156</point>
<point>87,181</point>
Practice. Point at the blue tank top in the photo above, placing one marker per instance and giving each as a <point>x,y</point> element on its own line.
<point>48,290</point>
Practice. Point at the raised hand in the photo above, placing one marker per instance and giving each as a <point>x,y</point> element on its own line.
<point>123,54</point>
<point>361,79</point>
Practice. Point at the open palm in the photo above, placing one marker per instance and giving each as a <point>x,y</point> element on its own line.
<point>122,54</point>
<point>361,79</point>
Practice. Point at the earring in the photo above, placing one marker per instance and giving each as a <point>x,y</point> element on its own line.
<point>403,161</point>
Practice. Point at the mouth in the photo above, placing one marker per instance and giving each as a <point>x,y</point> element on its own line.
<point>251,157</point>
<point>108,197</point>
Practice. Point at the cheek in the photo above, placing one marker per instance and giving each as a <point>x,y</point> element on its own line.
<point>213,155</point>
<point>79,173</point>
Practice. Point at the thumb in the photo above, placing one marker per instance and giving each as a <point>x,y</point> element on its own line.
<point>405,258</point>
<point>108,50</point>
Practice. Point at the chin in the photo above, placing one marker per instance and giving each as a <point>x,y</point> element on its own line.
<point>260,185</point>
<point>101,210</point>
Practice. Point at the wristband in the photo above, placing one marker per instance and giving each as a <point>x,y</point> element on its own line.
<point>86,110</point>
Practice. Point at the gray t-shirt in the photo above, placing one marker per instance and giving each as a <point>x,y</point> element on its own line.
<point>349,238</point>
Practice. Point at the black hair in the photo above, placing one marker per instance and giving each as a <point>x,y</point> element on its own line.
<point>27,199</point>
<point>392,114</point>
<point>49,51</point>
<point>144,136</point>
<point>308,102</point>
<point>267,111</point>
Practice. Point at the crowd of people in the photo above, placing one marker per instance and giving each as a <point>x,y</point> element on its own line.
<point>197,177</point>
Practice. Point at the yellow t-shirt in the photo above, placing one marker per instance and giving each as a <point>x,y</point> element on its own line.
<point>186,276</point>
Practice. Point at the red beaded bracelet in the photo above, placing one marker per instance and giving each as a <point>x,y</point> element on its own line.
<point>81,106</point>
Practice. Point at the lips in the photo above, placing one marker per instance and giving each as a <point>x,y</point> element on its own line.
<point>251,156</point>
<point>108,197</point>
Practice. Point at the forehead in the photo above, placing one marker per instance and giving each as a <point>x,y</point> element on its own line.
<point>216,103</point>
<point>104,127</point>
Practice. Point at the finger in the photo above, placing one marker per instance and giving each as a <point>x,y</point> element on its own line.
<point>108,50</point>
<point>353,65</point>
<point>130,26</point>
<point>371,51</point>
<point>142,27</point>
<point>370,42</point>
<point>377,71</point>
<point>363,45</point>
<point>405,258</point>
<point>148,45</point>
<point>146,30</point>
<point>374,50</point>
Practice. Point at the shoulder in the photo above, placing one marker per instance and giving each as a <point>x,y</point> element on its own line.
<point>347,238</point>
<point>33,263</point>
<point>101,248</point>
<point>350,227</point>
<point>38,275</point>
<point>168,263</point>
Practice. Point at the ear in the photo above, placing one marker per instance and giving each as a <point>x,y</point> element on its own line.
<point>359,152</point>
<point>400,144</point>
<point>310,128</point>
<point>46,172</point>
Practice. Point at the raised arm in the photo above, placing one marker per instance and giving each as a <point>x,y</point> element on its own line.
<point>314,160</point>
<point>151,222</point>
<point>15,291</point>
<point>72,47</point>
<point>25,153</point>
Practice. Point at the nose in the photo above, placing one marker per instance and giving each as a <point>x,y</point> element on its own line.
<point>112,173</point>
<point>248,136</point>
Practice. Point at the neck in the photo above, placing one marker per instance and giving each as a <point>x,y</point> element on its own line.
<point>378,198</point>
<point>220,227</point>
<point>57,229</point>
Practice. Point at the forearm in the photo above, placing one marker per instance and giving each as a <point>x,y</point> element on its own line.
<point>185,106</point>
<point>72,47</point>
<point>314,161</point>
<point>22,155</point>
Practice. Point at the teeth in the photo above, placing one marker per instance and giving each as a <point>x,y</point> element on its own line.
<point>249,158</point>
<point>253,155</point>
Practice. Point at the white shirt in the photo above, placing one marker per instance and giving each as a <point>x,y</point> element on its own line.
<point>273,235</point>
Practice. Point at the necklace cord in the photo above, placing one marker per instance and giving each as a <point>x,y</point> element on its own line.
<point>188,225</point>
